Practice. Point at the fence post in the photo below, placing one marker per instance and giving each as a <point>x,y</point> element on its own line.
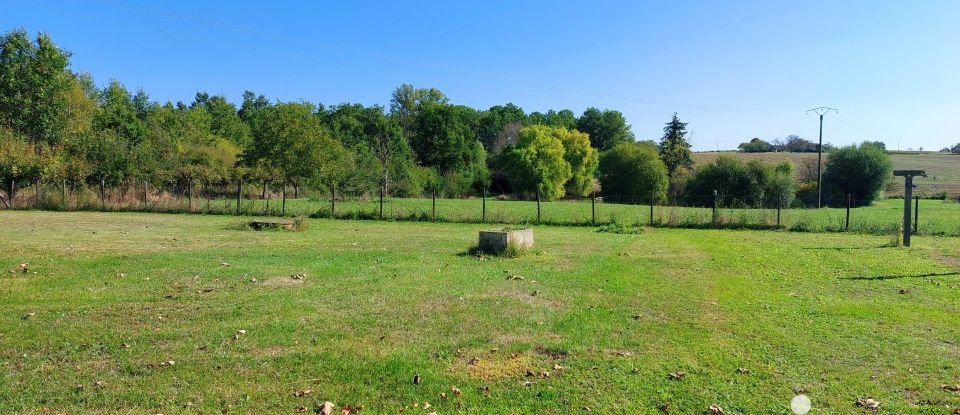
<point>103,205</point>
<point>593,207</point>
<point>434,206</point>
<point>778,214</point>
<point>847,226</point>
<point>483,206</point>
<point>333,200</point>
<point>381,201</point>
<point>36,195</point>
<point>239,194</point>
<point>652,195</point>
<point>916,214</point>
<point>714,207</point>
<point>283,205</point>
<point>538,204</point>
<point>10,193</point>
<point>63,194</point>
<point>190,195</point>
<point>144,194</point>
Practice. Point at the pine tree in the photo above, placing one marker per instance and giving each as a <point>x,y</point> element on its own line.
<point>674,147</point>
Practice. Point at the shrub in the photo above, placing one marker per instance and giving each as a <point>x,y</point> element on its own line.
<point>860,171</point>
<point>631,172</point>
<point>754,184</point>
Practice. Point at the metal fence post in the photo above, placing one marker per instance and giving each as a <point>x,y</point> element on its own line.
<point>652,197</point>
<point>714,207</point>
<point>239,194</point>
<point>381,201</point>
<point>847,226</point>
<point>483,207</point>
<point>538,204</point>
<point>333,200</point>
<point>103,205</point>
<point>916,214</point>
<point>433,208</point>
<point>593,207</point>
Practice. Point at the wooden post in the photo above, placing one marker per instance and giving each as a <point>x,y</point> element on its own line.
<point>266,210</point>
<point>144,200</point>
<point>103,205</point>
<point>847,226</point>
<point>63,194</point>
<point>434,207</point>
<point>239,193</point>
<point>190,195</point>
<point>283,205</point>
<point>381,201</point>
<point>483,207</point>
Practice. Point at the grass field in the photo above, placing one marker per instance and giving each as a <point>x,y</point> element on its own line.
<point>943,169</point>
<point>141,313</point>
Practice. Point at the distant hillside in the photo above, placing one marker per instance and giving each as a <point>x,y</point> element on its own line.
<point>943,169</point>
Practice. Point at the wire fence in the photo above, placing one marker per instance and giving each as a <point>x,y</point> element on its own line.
<point>931,217</point>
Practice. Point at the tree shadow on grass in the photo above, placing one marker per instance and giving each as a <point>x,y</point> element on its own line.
<point>896,277</point>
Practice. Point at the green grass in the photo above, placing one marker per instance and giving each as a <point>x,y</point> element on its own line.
<point>834,315</point>
<point>943,173</point>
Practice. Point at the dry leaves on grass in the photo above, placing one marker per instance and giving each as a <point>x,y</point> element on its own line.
<point>951,388</point>
<point>326,408</point>
<point>868,403</point>
<point>715,409</point>
<point>677,375</point>
<point>302,393</point>
<point>743,371</point>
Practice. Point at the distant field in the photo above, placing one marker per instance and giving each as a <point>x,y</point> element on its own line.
<point>131,313</point>
<point>943,169</point>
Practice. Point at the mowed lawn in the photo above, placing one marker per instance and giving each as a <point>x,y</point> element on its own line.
<point>142,313</point>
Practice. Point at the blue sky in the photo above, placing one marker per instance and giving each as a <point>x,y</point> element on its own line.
<point>733,70</point>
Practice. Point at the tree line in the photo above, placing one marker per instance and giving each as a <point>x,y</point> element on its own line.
<point>57,126</point>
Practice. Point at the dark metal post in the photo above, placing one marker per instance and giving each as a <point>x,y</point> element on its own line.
<point>144,193</point>
<point>916,214</point>
<point>847,226</point>
<point>538,204</point>
<point>593,207</point>
<point>483,207</point>
<point>239,194</point>
<point>652,196</point>
<point>434,206</point>
<point>714,207</point>
<point>103,205</point>
<point>333,200</point>
<point>907,195</point>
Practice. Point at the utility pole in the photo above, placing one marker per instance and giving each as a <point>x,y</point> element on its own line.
<point>821,111</point>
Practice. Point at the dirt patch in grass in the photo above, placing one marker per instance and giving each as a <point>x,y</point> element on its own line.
<point>494,367</point>
<point>282,282</point>
<point>950,261</point>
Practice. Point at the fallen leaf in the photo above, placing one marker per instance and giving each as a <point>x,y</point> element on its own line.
<point>426,405</point>
<point>456,391</point>
<point>300,409</point>
<point>443,395</point>
<point>168,363</point>
<point>587,409</point>
<point>28,315</point>
<point>951,388</point>
<point>715,409</point>
<point>557,367</point>
<point>416,379</point>
<point>743,371</point>
<point>676,375</point>
<point>302,393</point>
<point>527,383</point>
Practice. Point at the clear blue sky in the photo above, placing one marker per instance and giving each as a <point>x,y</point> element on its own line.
<point>733,70</point>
